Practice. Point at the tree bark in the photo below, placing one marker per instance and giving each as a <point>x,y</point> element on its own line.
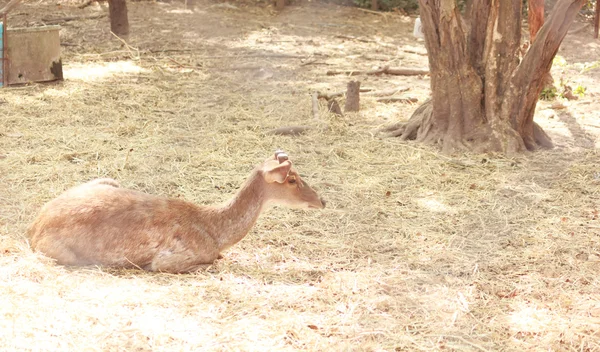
<point>483,97</point>
<point>119,22</point>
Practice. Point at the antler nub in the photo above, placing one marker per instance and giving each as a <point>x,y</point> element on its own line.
<point>281,156</point>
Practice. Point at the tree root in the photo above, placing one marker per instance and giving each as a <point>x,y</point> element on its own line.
<point>541,137</point>
<point>484,139</point>
<point>410,130</point>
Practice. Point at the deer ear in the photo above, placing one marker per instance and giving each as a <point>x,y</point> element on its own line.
<point>273,171</point>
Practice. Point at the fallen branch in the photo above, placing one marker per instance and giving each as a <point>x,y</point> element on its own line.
<point>128,47</point>
<point>349,37</point>
<point>383,70</point>
<point>410,51</point>
<point>68,19</point>
<point>182,65</point>
<point>367,91</point>
<point>355,38</point>
<point>308,63</point>
<point>276,56</point>
<point>373,12</point>
<point>387,92</point>
<point>85,4</point>
<point>397,100</point>
<point>339,94</point>
<point>290,130</point>
<point>237,68</point>
<point>169,50</point>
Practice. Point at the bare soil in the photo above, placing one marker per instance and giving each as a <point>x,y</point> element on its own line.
<point>416,250</point>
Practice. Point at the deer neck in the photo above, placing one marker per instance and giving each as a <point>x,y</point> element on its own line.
<point>239,214</point>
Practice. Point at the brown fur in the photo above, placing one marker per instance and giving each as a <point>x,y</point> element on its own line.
<point>99,223</point>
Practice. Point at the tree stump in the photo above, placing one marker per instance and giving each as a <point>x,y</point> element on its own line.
<point>334,107</point>
<point>353,96</point>
<point>374,5</point>
<point>279,4</point>
<point>119,22</point>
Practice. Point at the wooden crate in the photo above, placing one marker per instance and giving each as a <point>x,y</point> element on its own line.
<point>33,54</point>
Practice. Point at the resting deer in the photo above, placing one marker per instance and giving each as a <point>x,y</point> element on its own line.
<point>99,223</point>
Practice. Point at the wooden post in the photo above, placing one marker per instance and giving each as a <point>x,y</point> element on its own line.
<point>353,96</point>
<point>119,22</point>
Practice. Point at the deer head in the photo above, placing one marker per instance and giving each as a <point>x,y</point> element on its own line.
<point>286,187</point>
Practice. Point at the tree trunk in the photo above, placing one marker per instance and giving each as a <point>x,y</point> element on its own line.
<point>535,17</point>
<point>597,20</point>
<point>119,23</point>
<point>535,20</point>
<point>483,98</point>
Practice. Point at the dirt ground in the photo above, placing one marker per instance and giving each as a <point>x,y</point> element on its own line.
<point>416,250</point>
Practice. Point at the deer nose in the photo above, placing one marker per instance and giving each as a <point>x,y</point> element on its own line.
<point>324,202</point>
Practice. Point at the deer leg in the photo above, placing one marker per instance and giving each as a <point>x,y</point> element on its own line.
<point>179,262</point>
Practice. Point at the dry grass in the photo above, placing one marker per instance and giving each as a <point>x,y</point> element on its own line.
<point>416,251</point>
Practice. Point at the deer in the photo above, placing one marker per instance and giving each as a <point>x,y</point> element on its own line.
<point>100,223</point>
